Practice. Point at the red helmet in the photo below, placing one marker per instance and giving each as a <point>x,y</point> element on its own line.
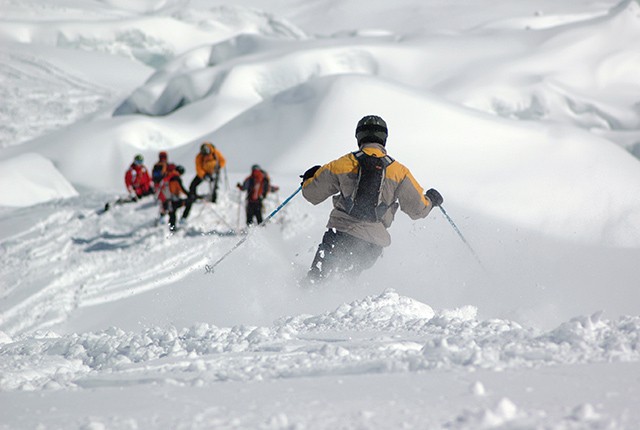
<point>163,155</point>
<point>171,167</point>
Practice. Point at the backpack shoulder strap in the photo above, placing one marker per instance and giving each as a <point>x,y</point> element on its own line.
<point>360,155</point>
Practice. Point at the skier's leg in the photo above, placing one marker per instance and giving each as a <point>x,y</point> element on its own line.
<point>172,217</point>
<point>214,192</point>
<point>249,212</point>
<point>192,196</point>
<point>258,211</point>
<point>327,257</point>
<point>360,255</point>
<point>164,209</point>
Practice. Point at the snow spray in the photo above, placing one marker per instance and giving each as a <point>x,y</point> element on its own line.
<point>210,268</point>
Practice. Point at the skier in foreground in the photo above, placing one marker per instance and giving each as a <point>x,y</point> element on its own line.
<point>368,187</point>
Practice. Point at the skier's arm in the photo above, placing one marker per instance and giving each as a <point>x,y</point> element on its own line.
<point>326,180</point>
<point>199,169</point>
<point>245,185</point>
<point>128,181</point>
<point>411,197</point>
<point>221,160</point>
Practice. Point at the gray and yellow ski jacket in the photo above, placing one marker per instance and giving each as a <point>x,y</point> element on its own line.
<point>339,179</point>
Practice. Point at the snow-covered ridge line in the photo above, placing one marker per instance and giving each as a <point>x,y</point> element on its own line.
<point>298,347</point>
<point>153,38</point>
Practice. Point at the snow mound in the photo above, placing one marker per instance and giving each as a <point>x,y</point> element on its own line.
<point>580,74</point>
<point>246,69</point>
<point>4,338</point>
<point>500,343</point>
<point>505,414</point>
<point>364,339</point>
<point>33,179</point>
<point>386,311</point>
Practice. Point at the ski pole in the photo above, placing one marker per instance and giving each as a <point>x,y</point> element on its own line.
<point>283,204</point>
<point>239,207</point>
<point>224,221</point>
<point>209,269</point>
<point>457,230</point>
<point>211,185</point>
<point>214,193</point>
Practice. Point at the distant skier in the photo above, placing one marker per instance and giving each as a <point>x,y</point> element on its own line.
<point>368,188</point>
<point>159,169</point>
<point>162,193</point>
<point>171,194</point>
<point>208,162</point>
<point>137,179</point>
<point>257,185</point>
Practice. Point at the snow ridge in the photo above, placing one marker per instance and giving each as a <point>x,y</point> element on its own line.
<point>298,347</point>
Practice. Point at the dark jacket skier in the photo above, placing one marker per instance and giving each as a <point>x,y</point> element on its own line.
<point>159,169</point>
<point>257,185</point>
<point>367,187</point>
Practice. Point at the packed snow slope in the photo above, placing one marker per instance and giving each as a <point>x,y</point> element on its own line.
<point>523,114</point>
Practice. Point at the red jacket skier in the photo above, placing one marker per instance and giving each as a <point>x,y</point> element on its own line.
<point>137,178</point>
<point>171,194</point>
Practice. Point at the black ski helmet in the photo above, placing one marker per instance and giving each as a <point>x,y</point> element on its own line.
<point>205,148</point>
<point>180,169</point>
<point>372,128</point>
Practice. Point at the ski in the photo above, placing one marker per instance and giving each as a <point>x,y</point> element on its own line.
<point>118,201</point>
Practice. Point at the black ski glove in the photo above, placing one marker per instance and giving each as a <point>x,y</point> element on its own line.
<point>309,173</point>
<point>434,197</point>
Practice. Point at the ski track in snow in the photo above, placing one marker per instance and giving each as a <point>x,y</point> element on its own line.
<point>90,259</point>
<point>39,97</point>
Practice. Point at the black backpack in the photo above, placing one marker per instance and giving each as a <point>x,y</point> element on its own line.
<point>366,203</point>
